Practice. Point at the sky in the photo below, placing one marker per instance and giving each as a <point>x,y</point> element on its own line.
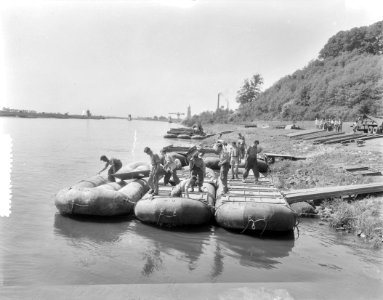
<point>153,57</point>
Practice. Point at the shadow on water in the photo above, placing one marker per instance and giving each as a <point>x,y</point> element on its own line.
<point>95,229</point>
<point>253,250</point>
<point>184,243</point>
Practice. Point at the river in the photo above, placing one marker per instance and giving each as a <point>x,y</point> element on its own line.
<point>41,248</point>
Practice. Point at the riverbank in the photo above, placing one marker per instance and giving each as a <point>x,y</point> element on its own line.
<point>325,166</point>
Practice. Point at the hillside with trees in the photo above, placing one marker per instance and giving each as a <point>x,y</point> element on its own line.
<point>345,80</point>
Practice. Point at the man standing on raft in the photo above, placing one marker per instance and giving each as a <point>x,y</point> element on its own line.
<point>170,167</point>
<point>234,160</point>
<point>154,172</point>
<point>184,186</point>
<point>197,168</point>
<point>251,161</point>
<point>224,164</point>
<point>115,166</point>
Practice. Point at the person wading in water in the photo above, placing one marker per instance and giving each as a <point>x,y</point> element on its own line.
<point>115,166</point>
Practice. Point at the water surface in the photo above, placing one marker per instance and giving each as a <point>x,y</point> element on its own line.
<point>39,247</point>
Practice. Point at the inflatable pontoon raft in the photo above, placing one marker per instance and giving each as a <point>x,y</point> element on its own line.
<point>99,197</point>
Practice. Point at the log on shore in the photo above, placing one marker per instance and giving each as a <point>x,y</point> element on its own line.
<point>332,192</point>
<point>272,156</point>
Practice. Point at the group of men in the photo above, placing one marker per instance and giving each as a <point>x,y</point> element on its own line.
<point>234,156</point>
<point>329,124</point>
<point>166,165</point>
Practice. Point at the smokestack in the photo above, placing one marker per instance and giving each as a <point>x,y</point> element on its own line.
<point>218,101</point>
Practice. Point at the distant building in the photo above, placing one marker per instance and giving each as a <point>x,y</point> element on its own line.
<point>188,116</point>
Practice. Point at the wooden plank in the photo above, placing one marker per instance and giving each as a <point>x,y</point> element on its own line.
<point>351,169</point>
<point>312,134</point>
<point>366,173</point>
<point>253,196</point>
<point>256,200</point>
<point>252,187</point>
<point>303,132</point>
<point>233,188</point>
<point>252,192</point>
<point>331,192</point>
<point>324,135</point>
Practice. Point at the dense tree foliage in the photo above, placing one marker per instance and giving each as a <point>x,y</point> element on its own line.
<point>250,90</point>
<point>209,117</point>
<point>366,39</point>
<point>347,80</point>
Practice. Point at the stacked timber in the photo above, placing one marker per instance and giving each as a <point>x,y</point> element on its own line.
<point>346,138</point>
<point>337,138</point>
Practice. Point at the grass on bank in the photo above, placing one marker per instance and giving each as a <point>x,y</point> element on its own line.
<point>324,166</point>
<point>363,218</point>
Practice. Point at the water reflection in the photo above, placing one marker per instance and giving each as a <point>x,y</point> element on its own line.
<point>98,230</point>
<point>217,267</point>
<point>186,244</point>
<point>253,251</point>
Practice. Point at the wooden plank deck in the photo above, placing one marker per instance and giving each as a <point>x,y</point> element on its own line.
<point>262,192</point>
<point>331,192</point>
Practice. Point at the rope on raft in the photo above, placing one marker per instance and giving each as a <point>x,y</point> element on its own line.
<point>167,216</point>
<point>251,220</point>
